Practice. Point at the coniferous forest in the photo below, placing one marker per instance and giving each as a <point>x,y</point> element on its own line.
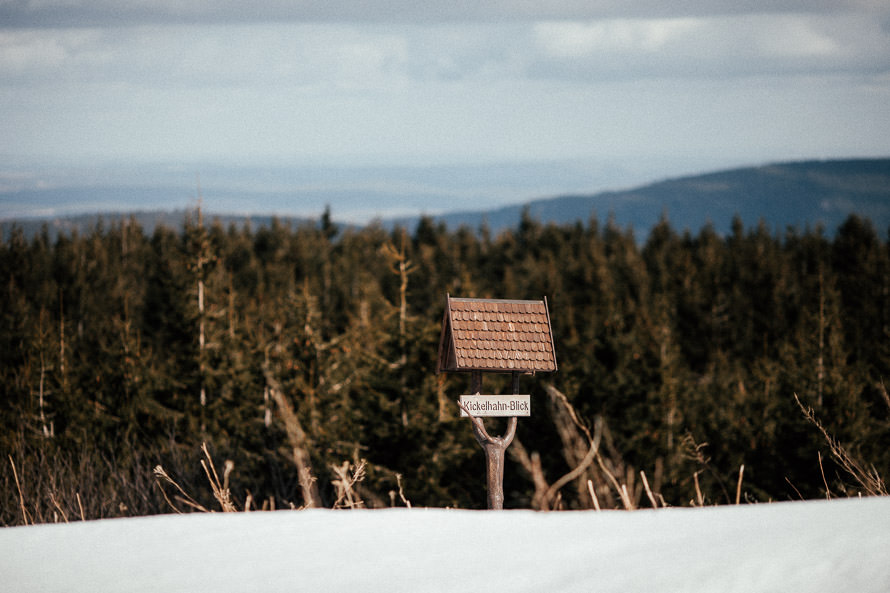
<point>708,369</point>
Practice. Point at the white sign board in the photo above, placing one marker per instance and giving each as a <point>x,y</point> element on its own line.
<point>496,405</point>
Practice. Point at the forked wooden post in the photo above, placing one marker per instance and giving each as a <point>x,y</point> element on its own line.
<point>500,336</point>
<point>495,448</point>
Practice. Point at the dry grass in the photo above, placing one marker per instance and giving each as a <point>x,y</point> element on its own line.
<point>42,484</point>
<point>401,493</point>
<point>605,480</point>
<point>44,488</point>
<point>26,519</point>
<point>738,488</point>
<point>347,478</point>
<point>183,496</point>
<point>221,491</point>
<point>865,475</point>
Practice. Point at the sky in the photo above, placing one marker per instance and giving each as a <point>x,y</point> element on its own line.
<point>419,101</point>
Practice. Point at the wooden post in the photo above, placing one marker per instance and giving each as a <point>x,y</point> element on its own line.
<point>495,336</point>
<point>476,382</point>
<point>495,448</point>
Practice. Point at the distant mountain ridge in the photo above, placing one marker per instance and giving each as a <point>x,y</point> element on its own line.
<point>800,195</point>
<point>148,220</point>
<point>795,194</point>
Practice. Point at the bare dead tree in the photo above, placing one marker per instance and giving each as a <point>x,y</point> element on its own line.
<point>296,436</point>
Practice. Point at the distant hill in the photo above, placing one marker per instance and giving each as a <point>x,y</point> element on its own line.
<point>800,195</point>
<point>148,220</point>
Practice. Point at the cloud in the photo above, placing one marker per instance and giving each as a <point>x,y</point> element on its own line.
<point>712,47</point>
<point>168,57</point>
<point>29,55</point>
<point>392,57</point>
<point>574,39</point>
<point>176,80</point>
<point>87,13</point>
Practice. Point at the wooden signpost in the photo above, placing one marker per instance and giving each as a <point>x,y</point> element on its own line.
<point>495,405</point>
<point>495,336</point>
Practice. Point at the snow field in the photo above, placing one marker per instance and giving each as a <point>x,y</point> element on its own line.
<point>795,547</point>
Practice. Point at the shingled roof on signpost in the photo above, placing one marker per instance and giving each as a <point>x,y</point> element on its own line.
<point>494,335</point>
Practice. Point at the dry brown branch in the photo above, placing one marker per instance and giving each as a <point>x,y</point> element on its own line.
<point>622,492</point>
<point>80,506</point>
<point>696,452</point>
<point>794,487</point>
<point>192,504</point>
<point>26,518</point>
<point>648,490</point>
<point>572,443</point>
<point>532,465</point>
<point>738,488</point>
<point>824,481</point>
<point>52,498</point>
<point>348,475</point>
<point>628,503</point>
<point>297,438</point>
<point>401,492</point>
<point>883,389</point>
<point>185,498</point>
<point>869,478</point>
<point>582,466</point>
<point>220,490</point>
<point>590,488</point>
<point>580,449</point>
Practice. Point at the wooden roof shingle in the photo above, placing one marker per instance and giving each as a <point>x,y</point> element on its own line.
<point>496,335</point>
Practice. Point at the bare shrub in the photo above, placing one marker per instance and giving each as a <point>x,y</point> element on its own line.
<point>603,480</point>
<point>220,490</point>
<point>347,477</point>
<point>866,476</point>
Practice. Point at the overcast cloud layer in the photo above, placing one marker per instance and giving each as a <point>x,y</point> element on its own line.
<point>27,13</point>
<point>405,83</point>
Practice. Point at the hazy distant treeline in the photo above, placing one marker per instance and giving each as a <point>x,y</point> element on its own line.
<point>291,350</point>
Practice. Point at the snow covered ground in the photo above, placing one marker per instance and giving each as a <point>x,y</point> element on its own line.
<point>796,547</point>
